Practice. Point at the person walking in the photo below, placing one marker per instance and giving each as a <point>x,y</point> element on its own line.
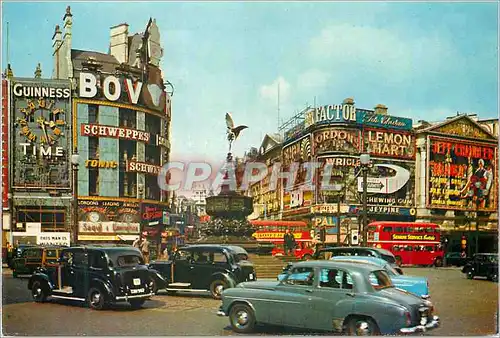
<point>137,243</point>
<point>144,247</point>
<point>288,242</point>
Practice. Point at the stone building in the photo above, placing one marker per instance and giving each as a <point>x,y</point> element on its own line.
<point>121,131</point>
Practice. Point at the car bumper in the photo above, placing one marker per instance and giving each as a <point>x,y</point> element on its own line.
<point>126,297</point>
<point>421,328</point>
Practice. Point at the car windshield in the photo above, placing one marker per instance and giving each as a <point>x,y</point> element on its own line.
<point>380,280</point>
<point>389,258</point>
<point>390,270</point>
<point>128,260</point>
<point>492,258</point>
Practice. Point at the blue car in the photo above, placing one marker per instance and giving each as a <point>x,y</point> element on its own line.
<point>416,285</point>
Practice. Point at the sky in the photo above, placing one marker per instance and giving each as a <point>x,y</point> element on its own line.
<point>422,60</point>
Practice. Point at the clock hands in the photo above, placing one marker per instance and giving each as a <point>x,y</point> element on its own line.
<point>41,122</point>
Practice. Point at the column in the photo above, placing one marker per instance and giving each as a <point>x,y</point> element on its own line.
<point>82,116</point>
<point>109,151</point>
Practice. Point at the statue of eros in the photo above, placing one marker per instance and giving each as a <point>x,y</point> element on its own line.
<point>232,131</point>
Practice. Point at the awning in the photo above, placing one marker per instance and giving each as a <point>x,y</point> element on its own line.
<point>128,237</point>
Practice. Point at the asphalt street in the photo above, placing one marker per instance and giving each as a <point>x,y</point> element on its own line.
<point>466,307</point>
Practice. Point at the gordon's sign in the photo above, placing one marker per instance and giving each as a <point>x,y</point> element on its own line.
<point>409,237</point>
<point>98,130</point>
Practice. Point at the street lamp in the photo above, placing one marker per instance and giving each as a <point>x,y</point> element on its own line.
<point>75,161</point>
<point>140,192</point>
<point>364,160</point>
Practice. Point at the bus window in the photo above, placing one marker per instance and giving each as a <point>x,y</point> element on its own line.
<point>409,229</point>
<point>431,230</point>
<point>398,229</point>
<point>372,228</point>
<point>387,229</point>
<point>429,248</point>
<point>395,248</point>
<point>408,248</point>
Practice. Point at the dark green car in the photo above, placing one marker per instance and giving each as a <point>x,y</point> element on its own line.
<point>34,257</point>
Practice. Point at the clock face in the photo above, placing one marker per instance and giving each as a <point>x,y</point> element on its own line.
<point>42,123</point>
<point>93,217</point>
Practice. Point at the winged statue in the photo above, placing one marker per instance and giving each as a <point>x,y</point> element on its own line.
<point>232,131</point>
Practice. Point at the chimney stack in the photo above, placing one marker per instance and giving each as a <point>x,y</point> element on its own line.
<point>118,46</point>
<point>380,109</point>
<point>349,101</point>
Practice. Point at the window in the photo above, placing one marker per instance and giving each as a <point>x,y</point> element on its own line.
<point>301,276</point>
<point>52,253</point>
<point>51,218</point>
<point>388,258</point>
<point>98,260</point>
<point>218,257</point>
<point>152,188</point>
<point>335,279</point>
<point>93,147</point>
<point>129,260</point>
<point>127,118</point>
<point>410,229</point>
<point>398,229</point>
<point>201,257</point>
<point>408,248</point>
<point>183,255</point>
<point>153,124</point>
<point>94,182</point>
<point>80,259</point>
<point>93,113</point>
<point>387,229</point>
<point>372,228</point>
<point>379,280</point>
<point>430,230</point>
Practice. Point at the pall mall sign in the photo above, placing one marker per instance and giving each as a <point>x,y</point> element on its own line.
<point>40,116</point>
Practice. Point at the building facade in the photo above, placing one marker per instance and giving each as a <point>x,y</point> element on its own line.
<point>457,181</point>
<point>39,192</point>
<point>335,136</point>
<point>121,132</point>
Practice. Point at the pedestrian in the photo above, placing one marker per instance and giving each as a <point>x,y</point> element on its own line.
<point>145,249</point>
<point>288,242</point>
<point>137,243</point>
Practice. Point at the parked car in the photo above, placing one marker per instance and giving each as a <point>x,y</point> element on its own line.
<point>482,265</point>
<point>357,299</point>
<point>328,252</point>
<point>455,258</point>
<point>34,257</point>
<point>240,253</point>
<point>203,267</point>
<point>97,275</point>
<point>17,252</point>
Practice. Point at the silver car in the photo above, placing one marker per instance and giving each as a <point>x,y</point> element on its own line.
<point>356,299</point>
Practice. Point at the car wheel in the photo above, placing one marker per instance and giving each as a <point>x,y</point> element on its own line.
<point>493,277</point>
<point>242,318</point>
<point>96,299</point>
<point>307,257</point>
<point>470,275</point>
<point>39,292</point>
<point>217,287</point>
<point>154,286</point>
<point>362,326</point>
<point>438,262</point>
<point>137,303</point>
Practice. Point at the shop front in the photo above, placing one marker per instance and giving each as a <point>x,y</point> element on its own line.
<point>155,218</point>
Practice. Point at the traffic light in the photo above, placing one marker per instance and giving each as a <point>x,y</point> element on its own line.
<point>463,243</point>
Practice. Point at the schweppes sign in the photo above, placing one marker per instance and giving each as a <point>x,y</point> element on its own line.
<point>274,235</point>
<point>409,237</point>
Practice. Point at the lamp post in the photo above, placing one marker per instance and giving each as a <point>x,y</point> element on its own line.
<point>75,161</point>
<point>140,192</point>
<point>364,160</point>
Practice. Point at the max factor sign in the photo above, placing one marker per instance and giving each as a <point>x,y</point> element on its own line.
<point>21,90</point>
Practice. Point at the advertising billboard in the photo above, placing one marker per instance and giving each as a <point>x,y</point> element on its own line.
<point>461,175</point>
<point>108,216</point>
<point>41,141</point>
<point>390,143</point>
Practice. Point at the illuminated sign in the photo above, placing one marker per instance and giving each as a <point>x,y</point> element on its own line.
<point>367,118</point>
<point>338,113</point>
<point>274,235</point>
<point>101,164</point>
<point>390,143</point>
<point>336,139</point>
<point>409,237</point>
<point>298,150</point>
<point>21,90</point>
<point>143,167</point>
<point>461,175</point>
<point>97,130</point>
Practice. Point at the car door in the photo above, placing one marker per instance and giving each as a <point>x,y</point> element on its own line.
<point>332,299</point>
<point>201,268</point>
<point>182,266</point>
<point>19,263</point>
<point>293,300</point>
<point>480,265</point>
<point>79,269</point>
<point>34,259</point>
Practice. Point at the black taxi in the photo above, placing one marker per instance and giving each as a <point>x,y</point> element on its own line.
<point>99,276</point>
<point>34,257</point>
<point>204,267</point>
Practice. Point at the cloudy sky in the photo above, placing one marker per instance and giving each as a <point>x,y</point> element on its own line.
<point>423,60</point>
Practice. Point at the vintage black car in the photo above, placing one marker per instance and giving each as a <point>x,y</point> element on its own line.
<point>17,252</point>
<point>482,265</point>
<point>34,257</point>
<point>97,275</point>
<point>203,267</point>
<point>455,258</point>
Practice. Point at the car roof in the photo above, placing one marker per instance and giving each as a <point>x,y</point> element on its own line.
<point>111,249</point>
<point>208,247</point>
<point>356,267</point>
<point>361,259</point>
<point>236,249</point>
<point>354,248</point>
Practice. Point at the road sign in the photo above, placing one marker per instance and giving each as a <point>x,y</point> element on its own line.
<point>386,185</point>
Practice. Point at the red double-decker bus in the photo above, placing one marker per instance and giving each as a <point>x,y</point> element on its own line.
<point>411,243</point>
<point>273,232</point>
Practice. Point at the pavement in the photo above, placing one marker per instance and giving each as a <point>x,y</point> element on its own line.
<point>466,307</point>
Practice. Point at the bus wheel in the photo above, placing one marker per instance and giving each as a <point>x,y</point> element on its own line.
<point>438,262</point>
